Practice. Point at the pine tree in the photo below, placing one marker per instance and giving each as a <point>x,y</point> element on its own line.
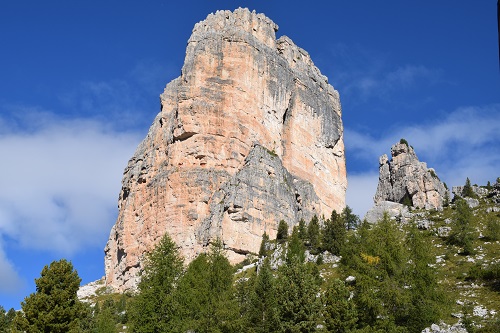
<point>462,230</point>
<point>282,234</point>
<point>302,230</point>
<point>467,190</point>
<point>296,250</point>
<point>263,315</point>
<point>339,311</point>
<point>106,321</point>
<point>4,323</point>
<point>263,244</point>
<point>492,227</point>
<point>296,289</point>
<point>377,257</point>
<point>54,307</point>
<point>334,234</point>
<point>427,297</point>
<point>206,295</point>
<point>313,234</point>
<point>351,220</point>
<point>153,308</point>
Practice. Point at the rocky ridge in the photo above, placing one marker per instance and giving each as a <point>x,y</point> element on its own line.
<point>248,135</point>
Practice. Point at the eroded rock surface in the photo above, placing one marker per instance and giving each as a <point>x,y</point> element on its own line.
<point>404,179</point>
<point>249,134</point>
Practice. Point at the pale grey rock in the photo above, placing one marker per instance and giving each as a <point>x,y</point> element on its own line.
<point>278,257</point>
<point>480,191</point>
<point>350,279</point>
<point>445,328</point>
<point>472,202</point>
<point>494,193</point>
<point>329,258</point>
<point>405,177</point>
<point>90,290</point>
<point>394,210</point>
<point>424,224</point>
<point>493,209</point>
<point>443,231</point>
<point>261,177</point>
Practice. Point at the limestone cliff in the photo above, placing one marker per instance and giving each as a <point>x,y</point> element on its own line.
<point>248,135</point>
<point>404,177</point>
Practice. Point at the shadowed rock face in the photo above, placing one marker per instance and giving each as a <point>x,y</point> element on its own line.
<point>404,176</point>
<point>249,134</point>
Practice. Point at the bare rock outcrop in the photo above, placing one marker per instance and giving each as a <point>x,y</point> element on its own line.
<point>249,134</point>
<point>404,179</point>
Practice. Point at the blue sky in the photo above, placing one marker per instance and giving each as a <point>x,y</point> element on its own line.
<point>79,87</point>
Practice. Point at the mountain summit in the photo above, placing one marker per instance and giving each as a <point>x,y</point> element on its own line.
<point>248,135</point>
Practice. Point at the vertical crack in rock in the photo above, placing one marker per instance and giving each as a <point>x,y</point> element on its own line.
<point>219,160</point>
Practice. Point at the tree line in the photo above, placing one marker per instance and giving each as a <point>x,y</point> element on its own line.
<point>384,282</point>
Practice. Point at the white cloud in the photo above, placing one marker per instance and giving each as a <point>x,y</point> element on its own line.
<point>60,182</point>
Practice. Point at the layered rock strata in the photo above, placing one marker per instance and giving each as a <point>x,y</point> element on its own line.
<point>248,135</point>
<point>404,179</point>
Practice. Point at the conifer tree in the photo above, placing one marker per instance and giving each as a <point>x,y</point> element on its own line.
<point>351,220</point>
<point>4,323</point>
<point>153,308</point>
<point>462,230</point>
<point>54,307</point>
<point>339,311</point>
<point>296,250</point>
<point>263,309</point>
<point>492,227</point>
<point>395,287</point>
<point>302,230</point>
<point>334,233</point>
<point>296,289</point>
<point>467,190</point>
<point>313,234</point>
<point>282,234</point>
<point>427,297</point>
<point>263,244</point>
<point>206,295</point>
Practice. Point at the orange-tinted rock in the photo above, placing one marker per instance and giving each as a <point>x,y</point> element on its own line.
<point>249,134</point>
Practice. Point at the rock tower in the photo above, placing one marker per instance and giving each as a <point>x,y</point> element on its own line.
<point>248,135</point>
<point>405,178</point>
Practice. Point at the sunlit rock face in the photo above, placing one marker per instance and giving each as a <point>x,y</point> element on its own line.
<point>405,178</point>
<point>248,135</point>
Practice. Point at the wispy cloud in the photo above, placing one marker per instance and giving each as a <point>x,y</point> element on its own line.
<point>384,83</point>
<point>364,75</point>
